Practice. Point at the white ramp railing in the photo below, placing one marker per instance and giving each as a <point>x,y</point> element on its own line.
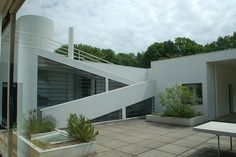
<point>38,41</point>
<point>101,104</point>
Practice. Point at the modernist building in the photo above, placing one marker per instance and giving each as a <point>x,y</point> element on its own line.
<point>63,81</point>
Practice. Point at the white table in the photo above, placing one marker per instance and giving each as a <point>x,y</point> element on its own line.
<point>218,128</point>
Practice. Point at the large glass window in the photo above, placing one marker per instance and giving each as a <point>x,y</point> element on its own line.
<point>196,89</point>
<point>59,83</point>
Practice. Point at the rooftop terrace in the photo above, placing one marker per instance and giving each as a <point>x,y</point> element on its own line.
<point>143,139</point>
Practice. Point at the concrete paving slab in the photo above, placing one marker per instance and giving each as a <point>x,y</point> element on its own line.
<point>144,139</point>
<point>133,149</point>
<point>187,143</point>
<point>112,153</point>
<point>156,153</point>
<point>100,148</point>
<point>132,139</point>
<point>151,143</point>
<point>173,149</point>
<point>114,144</point>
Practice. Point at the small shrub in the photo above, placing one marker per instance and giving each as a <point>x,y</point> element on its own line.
<point>35,124</point>
<point>48,123</point>
<point>177,102</point>
<point>80,129</point>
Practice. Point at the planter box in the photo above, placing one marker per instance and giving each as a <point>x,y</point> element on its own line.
<point>177,121</point>
<point>78,150</point>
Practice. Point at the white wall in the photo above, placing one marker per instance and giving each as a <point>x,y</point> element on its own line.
<point>27,59</point>
<point>101,104</point>
<point>211,91</point>
<point>190,69</point>
<point>179,71</point>
<point>224,77</point>
<point>133,73</point>
<point>27,53</point>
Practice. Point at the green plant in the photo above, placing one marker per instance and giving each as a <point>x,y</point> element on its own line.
<point>41,144</point>
<point>177,101</point>
<point>80,129</point>
<point>36,124</point>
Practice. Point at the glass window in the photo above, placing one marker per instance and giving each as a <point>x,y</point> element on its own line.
<point>196,89</point>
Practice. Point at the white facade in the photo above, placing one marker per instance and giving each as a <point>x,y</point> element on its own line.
<point>27,55</point>
<point>215,71</point>
<point>34,39</point>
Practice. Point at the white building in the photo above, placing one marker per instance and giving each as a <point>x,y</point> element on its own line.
<point>212,75</point>
<point>58,84</point>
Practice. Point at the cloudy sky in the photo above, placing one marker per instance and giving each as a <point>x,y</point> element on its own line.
<point>132,25</point>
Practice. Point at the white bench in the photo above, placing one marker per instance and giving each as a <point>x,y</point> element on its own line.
<point>218,128</point>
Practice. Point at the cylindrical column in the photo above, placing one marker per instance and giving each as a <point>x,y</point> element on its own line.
<point>106,84</point>
<point>71,43</point>
<point>124,113</point>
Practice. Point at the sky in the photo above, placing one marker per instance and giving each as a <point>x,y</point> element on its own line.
<point>133,25</point>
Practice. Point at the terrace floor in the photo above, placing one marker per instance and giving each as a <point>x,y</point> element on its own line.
<point>143,139</point>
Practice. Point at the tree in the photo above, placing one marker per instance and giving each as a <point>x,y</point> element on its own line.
<point>187,46</point>
<point>157,51</point>
<point>222,43</point>
<point>140,59</point>
<point>126,59</point>
<point>109,55</point>
<point>181,46</point>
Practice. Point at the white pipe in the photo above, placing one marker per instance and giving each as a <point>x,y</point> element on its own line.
<point>71,43</point>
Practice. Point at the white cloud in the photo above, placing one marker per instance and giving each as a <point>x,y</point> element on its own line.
<point>132,25</point>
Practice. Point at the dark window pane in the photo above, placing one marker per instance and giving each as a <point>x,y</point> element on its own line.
<point>141,108</point>
<point>196,89</point>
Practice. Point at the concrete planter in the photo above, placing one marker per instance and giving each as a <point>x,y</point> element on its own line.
<point>177,121</point>
<point>78,150</point>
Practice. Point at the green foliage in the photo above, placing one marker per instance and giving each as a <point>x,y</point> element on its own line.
<point>187,46</point>
<point>181,46</point>
<point>35,124</point>
<point>41,144</point>
<point>80,129</point>
<point>177,101</point>
<point>184,46</point>
<point>157,51</point>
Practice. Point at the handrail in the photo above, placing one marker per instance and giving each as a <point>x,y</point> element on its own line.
<point>61,46</point>
<point>78,54</point>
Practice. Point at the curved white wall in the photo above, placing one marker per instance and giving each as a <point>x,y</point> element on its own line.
<point>35,27</point>
<point>27,57</point>
<point>36,24</point>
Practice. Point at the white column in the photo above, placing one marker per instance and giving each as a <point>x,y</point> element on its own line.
<point>106,84</point>
<point>124,113</point>
<point>71,43</point>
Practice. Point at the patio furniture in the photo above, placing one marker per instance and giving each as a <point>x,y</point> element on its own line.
<point>219,129</point>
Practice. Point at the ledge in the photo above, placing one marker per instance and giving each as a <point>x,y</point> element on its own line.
<point>177,121</point>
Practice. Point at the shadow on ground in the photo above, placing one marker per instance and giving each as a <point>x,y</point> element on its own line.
<point>210,152</point>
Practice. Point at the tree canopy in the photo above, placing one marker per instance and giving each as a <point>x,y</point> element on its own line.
<point>181,46</point>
